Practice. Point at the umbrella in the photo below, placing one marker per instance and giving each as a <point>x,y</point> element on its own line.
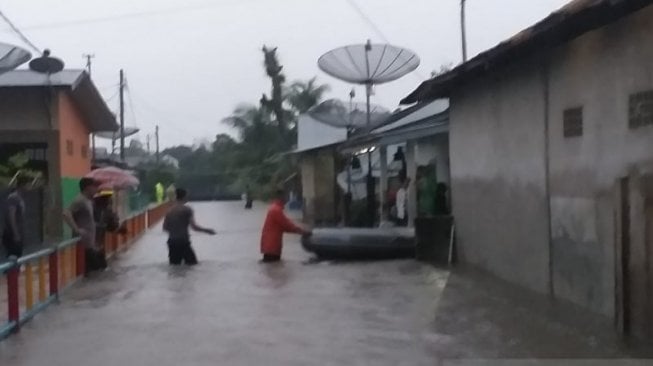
<point>11,57</point>
<point>113,178</point>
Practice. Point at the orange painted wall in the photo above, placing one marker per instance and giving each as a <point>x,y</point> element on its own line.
<point>73,129</point>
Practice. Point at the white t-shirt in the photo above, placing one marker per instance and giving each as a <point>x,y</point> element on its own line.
<point>402,196</point>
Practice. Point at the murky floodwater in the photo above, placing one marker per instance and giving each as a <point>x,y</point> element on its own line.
<point>233,310</point>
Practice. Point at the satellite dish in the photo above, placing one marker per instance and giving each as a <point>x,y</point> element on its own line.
<point>11,57</point>
<point>114,135</point>
<point>368,63</point>
<point>337,113</point>
<point>46,64</point>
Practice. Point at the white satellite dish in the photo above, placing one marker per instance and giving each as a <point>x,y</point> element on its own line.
<point>11,57</point>
<point>337,113</point>
<point>368,64</point>
<point>115,135</point>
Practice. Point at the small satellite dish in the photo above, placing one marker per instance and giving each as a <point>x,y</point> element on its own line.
<point>114,135</point>
<point>46,64</point>
<point>337,113</point>
<point>368,63</point>
<point>11,57</point>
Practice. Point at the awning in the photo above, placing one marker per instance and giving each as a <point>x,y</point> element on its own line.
<point>427,127</point>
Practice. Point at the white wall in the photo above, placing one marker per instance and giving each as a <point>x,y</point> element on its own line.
<point>312,133</point>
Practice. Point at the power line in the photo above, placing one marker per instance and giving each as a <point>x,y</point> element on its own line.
<point>375,28</point>
<point>125,16</point>
<point>19,33</point>
<point>368,20</point>
<point>131,103</point>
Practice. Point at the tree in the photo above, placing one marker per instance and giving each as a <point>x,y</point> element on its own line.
<point>302,96</point>
<point>275,103</point>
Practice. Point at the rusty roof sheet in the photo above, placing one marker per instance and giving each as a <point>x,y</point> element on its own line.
<point>563,25</point>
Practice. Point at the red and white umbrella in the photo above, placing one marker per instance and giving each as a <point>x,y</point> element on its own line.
<point>114,178</point>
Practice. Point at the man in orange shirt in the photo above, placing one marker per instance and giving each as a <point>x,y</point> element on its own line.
<point>276,224</point>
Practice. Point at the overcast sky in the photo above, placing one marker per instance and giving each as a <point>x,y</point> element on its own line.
<point>190,62</point>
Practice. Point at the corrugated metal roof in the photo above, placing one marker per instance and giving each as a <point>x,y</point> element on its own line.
<point>98,115</point>
<point>569,22</point>
<point>30,78</point>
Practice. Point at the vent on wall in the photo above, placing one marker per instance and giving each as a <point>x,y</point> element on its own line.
<point>640,109</point>
<point>70,148</point>
<point>573,122</point>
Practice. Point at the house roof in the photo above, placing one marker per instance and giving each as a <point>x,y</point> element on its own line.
<point>427,126</point>
<point>78,84</point>
<point>569,22</point>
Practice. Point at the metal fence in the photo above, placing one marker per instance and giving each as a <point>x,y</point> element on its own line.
<point>30,283</point>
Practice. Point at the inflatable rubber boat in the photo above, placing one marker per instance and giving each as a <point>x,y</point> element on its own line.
<point>355,243</point>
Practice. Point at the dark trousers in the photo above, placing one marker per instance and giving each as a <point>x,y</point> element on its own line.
<point>180,250</point>
<point>269,258</point>
<point>95,260</point>
<point>12,247</point>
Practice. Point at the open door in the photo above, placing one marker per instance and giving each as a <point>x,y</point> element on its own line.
<point>635,257</point>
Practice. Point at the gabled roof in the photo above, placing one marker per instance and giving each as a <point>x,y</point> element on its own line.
<point>569,22</point>
<point>78,84</point>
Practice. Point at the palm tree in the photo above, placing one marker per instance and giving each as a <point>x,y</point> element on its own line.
<point>303,95</point>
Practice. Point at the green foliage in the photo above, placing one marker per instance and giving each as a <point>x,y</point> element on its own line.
<point>16,164</point>
<point>257,157</point>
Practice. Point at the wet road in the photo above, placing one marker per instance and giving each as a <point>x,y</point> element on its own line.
<point>233,310</point>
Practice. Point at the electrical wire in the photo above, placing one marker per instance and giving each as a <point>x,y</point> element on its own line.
<point>376,29</point>
<point>131,103</point>
<point>19,33</point>
<point>134,15</point>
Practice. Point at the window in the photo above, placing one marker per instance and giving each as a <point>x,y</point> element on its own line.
<point>70,148</point>
<point>640,109</point>
<point>573,122</point>
<point>84,151</point>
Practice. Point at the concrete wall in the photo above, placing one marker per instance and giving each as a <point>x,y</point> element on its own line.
<point>598,71</point>
<point>522,193</point>
<point>73,129</point>
<point>498,176</point>
<point>319,186</point>
<point>24,109</point>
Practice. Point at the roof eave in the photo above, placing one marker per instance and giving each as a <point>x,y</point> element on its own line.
<point>98,115</point>
<point>560,27</point>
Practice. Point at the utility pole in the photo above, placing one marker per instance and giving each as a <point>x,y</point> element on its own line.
<point>148,143</point>
<point>463,29</point>
<point>89,57</point>
<point>156,136</point>
<point>122,116</point>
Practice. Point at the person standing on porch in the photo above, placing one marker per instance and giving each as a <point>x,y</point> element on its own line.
<point>13,235</point>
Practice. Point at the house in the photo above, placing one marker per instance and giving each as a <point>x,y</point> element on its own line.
<point>551,158</point>
<point>51,117</point>
<point>421,134</point>
<point>319,161</point>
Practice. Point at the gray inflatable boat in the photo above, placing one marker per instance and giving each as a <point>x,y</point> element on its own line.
<point>360,244</point>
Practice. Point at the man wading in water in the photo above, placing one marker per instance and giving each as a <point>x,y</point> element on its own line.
<point>276,223</point>
<point>177,223</point>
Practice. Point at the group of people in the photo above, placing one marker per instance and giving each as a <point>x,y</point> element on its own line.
<point>180,220</point>
<point>431,197</point>
<point>90,216</point>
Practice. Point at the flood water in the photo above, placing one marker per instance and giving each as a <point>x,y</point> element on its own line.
<point>233,310</point>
